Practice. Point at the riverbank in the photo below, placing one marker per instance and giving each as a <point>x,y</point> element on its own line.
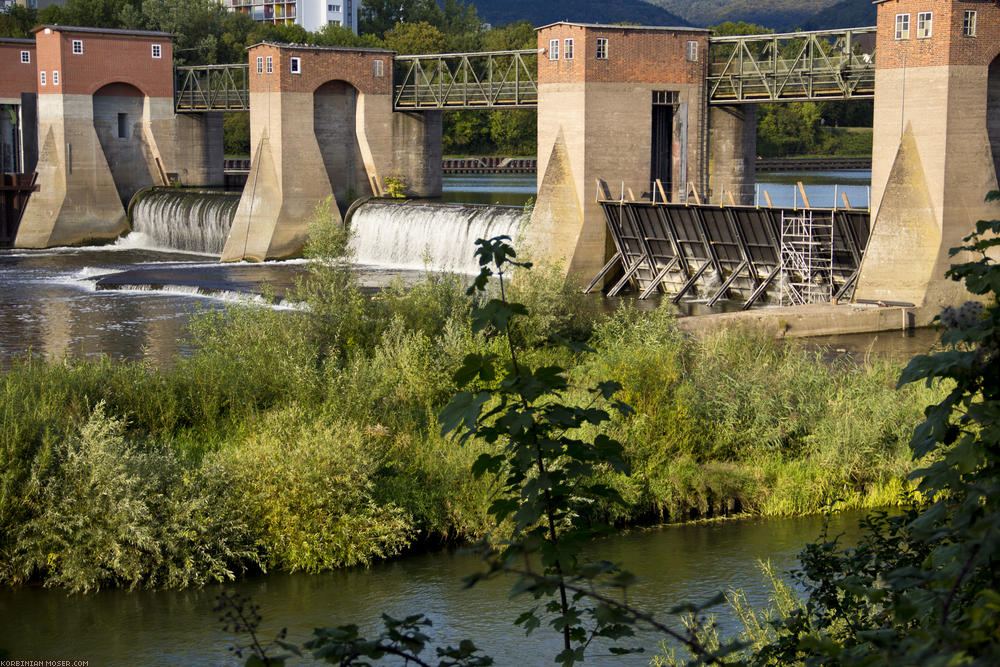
<point>304,441</point>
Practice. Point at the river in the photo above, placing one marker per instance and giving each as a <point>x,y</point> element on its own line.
<point>132,302</point>
<point>685,563</point>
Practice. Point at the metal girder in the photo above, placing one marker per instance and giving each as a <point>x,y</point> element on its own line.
<point>788,67</point>
<point>212,88</point>
<point>491,79</point>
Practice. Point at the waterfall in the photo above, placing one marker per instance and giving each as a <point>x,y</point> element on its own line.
<point>193,220</point>
<point>418,235</point>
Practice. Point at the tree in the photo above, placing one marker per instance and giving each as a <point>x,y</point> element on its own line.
<point>416,38</point>
<point>380,16</point>
<point>17,21</point>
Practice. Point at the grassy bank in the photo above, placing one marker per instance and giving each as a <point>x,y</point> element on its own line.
<point>308,441</point>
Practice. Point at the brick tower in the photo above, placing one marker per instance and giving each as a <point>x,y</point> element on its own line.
<point>936,143</point>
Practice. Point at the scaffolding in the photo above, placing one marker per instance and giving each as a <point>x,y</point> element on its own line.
<point>806,258</point>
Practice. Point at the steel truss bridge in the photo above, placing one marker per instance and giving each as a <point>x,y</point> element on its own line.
<point>800,66</point>
<point>212,88</point>
<point>790,67</point>
<point>488,80</point>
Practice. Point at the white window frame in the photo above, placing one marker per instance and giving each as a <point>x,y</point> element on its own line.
<point>553,49</point>
<point>602,48</point>
<point>55,77</point>
<point>25,57</point>
<point>568,48</point>
<point>42,77</point>
<point>692,51</point>
<point>378,68</point>
<point>969,23</point>
<point>77,47</point>
<point>295,65</point>
<point>260,64</point>
<point>156,51</point>
<point>925,25</point>
<point>269,64</point>
<point>902,26</point>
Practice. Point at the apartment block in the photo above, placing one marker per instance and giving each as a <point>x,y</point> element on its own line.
<point>310,14</point>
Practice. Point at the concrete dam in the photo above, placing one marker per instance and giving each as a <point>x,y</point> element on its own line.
<point>669,113</point>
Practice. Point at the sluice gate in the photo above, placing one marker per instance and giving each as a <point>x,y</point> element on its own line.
<point>15,189</point>
<point>713,251</point>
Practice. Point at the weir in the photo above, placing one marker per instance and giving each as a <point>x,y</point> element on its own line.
<point>183,219</point>
<point>421,235</point>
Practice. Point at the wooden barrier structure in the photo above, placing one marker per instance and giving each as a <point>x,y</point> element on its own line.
<point>715,250</point>
<point>15,189</point>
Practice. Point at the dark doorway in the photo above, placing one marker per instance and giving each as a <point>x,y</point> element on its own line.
<point>661,166</point>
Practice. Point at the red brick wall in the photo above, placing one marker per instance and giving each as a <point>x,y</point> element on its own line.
<point>17,77</point>
<point>946,45</point>
<point>634,55</point>
<point>105,59</point>
<point>319,66</point>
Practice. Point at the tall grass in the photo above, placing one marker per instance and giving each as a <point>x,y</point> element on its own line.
<point>309,440</point>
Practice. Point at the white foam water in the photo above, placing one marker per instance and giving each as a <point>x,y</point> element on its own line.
<point>419,235</point>
<point>189,220</point>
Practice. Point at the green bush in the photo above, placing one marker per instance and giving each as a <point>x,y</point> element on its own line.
<point>110,512</point>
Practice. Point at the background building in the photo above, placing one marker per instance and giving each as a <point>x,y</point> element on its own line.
<point>31,4</point>
<point>310,14</point>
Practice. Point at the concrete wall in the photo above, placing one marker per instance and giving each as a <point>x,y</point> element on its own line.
<point>323,128</point>
<point>87,172</point>
<point>932,162</point>
<point>732,154</point>
<point>595,122</point>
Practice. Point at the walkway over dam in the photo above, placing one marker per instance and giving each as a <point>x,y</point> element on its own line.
<point>656,109</point>
<point>797,66</point>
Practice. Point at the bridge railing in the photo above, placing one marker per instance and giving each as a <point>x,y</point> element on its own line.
<point>819,65</point>
<point>492,79</point>
<point>212,88</point>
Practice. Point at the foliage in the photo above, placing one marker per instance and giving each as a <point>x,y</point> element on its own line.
<point>395,187</point>
<point>111,512</point>
<point>17,21</point>
<point>921,586</point>
<point>306,489</point>
<point>236,134</point>
<point>416,38</point>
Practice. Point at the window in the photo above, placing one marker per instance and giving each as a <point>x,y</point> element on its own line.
<point>260,64</point>
<point>692,51</point>
<point>295,65</point>
<point>334,21</point>
<point>568,49</point>
<point>55,77</point>
<point>602,48</point>
<point>25,57</point>
<point>902,26</point>
<point>924,20</point>
<point>42,77</point>
<point>665,97</point>
<point>377,67</point>
<point>968,24</point>
<point>270,64</point>
<point>123,126</point>
<point>553,49</point>
<point>156,51</point>
<point>77,47</point>
<point>333,8</point>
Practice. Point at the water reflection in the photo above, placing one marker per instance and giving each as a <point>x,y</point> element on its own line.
<point>688,563</point>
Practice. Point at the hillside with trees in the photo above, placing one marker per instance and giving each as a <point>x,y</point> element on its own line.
<point>502,12</point>
<point>779,15</point>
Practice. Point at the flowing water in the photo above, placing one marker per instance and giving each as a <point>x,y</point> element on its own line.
<point>687,563</point>
<point>419,235</point>
<point>185,219</point>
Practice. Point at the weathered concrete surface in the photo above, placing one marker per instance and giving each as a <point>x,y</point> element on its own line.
<point>813,320</point>
<point>595,121</point>
<point>77,201</point>
<point>732,154</point>
<point>287,178</point>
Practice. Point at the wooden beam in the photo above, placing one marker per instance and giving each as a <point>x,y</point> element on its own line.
<point>805,199</point>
